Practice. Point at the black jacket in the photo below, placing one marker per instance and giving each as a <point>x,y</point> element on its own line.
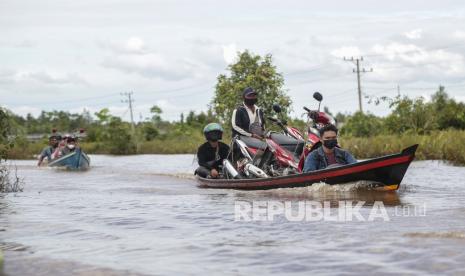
<point>241,122</point>
<point>206,155</point>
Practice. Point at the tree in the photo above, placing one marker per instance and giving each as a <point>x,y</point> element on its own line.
<point>362,125</point>
<point>254,71</point>
<point>103,116</point>
<point>448,113</point>
<point>156,111</point>
<point>413,115</point>
<point>4,132</point>
<point>118,137</point>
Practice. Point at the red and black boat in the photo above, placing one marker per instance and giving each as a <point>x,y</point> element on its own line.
<point>385,173</point>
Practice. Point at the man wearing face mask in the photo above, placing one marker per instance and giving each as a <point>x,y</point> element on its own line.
<point>248,120</point>
<point>70,145</point>
<point>329,154</point>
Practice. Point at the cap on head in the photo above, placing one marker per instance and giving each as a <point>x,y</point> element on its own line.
<point>249,93</point>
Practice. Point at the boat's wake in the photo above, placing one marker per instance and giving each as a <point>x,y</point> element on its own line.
<point>176,175</point>
<point>359,190</point>
<point>444,235</point>
<point>322,187</point>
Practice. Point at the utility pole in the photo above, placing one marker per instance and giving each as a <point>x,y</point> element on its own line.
<point>357,61</point>
<point>130,100</point>
<point>398,90</point>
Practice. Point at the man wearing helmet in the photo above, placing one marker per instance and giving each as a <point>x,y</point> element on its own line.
<point>248,119</point>
<point>212,153</point>
<point>48,151</point>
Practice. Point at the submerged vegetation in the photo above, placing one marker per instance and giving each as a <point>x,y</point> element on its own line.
<point>438,124</point>
<point>8,182</point>
<point>446,145</point>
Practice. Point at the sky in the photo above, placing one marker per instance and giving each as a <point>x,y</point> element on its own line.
<point>76,55</point>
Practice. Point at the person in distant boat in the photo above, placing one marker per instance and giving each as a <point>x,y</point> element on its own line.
<point>71,145</point>
<point>329,154</point>
<point>47,152</point>
<point>248,119</point>
<point>212,153</point>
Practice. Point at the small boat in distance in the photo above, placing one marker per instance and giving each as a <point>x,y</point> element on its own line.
<point>383,173</point>
<point>75,160</point>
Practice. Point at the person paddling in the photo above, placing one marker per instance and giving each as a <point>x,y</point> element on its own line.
<point>328,154</point>
<point>47,152</point>
<point>211,154</point>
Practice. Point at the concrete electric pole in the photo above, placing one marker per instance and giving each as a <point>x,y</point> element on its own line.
<point>357,70</point>
<point>130,100</point>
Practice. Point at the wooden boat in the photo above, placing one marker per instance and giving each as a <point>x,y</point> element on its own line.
<point>77,160</point>
<point>383,173</point>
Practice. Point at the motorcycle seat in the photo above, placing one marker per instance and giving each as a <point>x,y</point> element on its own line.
<point>253,142</point>
<point>289,143</point>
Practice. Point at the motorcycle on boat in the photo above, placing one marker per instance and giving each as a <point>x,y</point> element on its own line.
<point>280,153</point>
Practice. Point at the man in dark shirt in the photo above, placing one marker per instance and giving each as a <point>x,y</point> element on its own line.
<point>328,154</point>
<point>212,153</point>
<point>248,119</point>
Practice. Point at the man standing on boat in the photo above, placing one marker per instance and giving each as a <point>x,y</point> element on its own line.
<point>329,154</point>
<point>247,119</point>
<point>47,152</point>
<point>212,153</point>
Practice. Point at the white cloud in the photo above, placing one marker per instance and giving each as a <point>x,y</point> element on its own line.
<point>58,79</point>
<point>459,34</point>
<point>151,66</point>
<point>158,46</point>
<point>230,53</point>
<point>24,110</point>
<point>44,77</point>
<point>346,51</point>
<point>135,44</point>
<point>132,45</point>
<point>414,34</point>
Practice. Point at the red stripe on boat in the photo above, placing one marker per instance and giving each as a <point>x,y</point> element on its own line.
<point>323,175</point>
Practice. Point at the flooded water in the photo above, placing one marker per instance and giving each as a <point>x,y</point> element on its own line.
<point>144,215</point>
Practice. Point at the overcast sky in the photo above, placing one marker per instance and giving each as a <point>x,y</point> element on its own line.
<point>71,55</point>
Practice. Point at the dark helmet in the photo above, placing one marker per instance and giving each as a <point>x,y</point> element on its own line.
<point>213,132</point>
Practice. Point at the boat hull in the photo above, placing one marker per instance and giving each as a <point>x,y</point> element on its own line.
<point>384,173</point>
<point>77,160</point>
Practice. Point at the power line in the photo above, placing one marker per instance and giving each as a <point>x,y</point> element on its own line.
<point>357,70</point>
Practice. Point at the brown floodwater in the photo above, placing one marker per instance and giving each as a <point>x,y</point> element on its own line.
<point>144,215</point>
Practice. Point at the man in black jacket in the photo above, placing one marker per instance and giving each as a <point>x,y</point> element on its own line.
<point>248,119</point>
<point>212,153</point>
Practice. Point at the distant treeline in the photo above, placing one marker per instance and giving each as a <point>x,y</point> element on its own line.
<point>412,120</point>
<point>408,116</point>
<point>109,134</point>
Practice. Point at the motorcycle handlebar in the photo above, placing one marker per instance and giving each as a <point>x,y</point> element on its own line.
<point>311,113</point>
<point>272,119</point>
